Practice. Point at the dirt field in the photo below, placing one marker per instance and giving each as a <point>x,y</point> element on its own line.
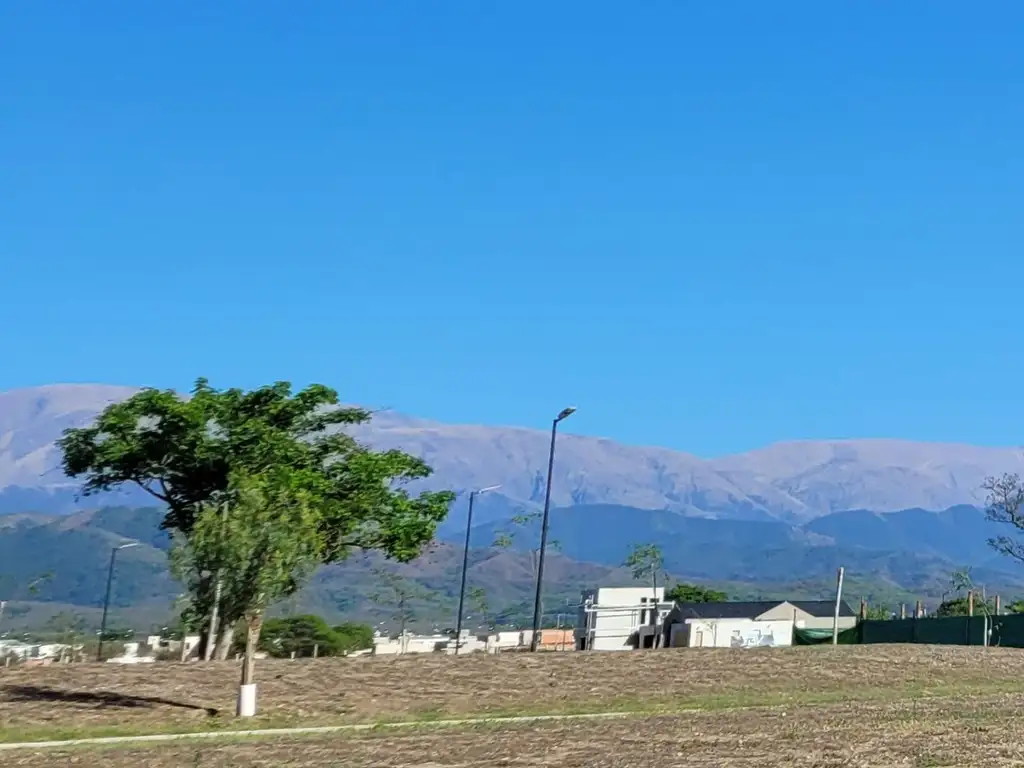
<point>822,706</point>
<point>933,732</point>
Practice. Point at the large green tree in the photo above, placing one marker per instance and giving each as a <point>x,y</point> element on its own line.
<point>184,451</point>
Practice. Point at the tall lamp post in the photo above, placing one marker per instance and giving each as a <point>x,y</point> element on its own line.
<point>465,562</point>
<point>106,599</point>
<point>535,640</point>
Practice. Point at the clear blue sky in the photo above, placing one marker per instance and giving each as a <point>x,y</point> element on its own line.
<point>711,226</point>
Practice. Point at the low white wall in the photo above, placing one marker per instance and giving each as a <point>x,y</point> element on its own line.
<point>732,633</point>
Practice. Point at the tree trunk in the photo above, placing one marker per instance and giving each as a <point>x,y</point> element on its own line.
<point>227,638</point>
<point>212,630</point>
<point>254,624</point>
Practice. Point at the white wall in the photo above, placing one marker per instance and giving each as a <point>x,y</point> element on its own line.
<point>732,633</point>
<point>815,622</point>
<point>614,616</point>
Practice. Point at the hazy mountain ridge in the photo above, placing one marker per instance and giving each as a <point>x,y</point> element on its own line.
<point>792,481</point>
<point>748,558</point>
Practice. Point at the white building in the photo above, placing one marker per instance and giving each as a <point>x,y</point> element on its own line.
<point>410,643</point>
<point>130,655</point>
<point>621,618</point>
<point>165,645</point>
<point>757,624</point>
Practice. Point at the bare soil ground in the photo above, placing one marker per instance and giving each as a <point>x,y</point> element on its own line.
<point>865,705</point>
<point>960,733</point>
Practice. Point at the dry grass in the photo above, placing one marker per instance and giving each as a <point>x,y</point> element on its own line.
<point>926,734</point>
<point>87,699</point>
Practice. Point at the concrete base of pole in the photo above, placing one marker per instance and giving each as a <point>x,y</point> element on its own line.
<point>247,700</point>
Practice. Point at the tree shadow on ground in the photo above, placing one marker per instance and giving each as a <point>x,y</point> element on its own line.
<point>26,693</point>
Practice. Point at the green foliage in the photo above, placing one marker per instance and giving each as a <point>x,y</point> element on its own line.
<point>184,452</point>
<point>299,635</point>
<point>1017,606</point>
<point>692,593</point>
<point>646,562</point>
<point>354,637</point>
<point>263,539</point>
<point>879,612</point>
<point>957,606</point>
<point>260,487</point>
<point>281,637</point>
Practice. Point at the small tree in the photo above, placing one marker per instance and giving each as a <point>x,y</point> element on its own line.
<point>1005,506</point>
<point>646,562</point>
<point>266,548</point>
<point>400,597</point>
<point>519,523</point>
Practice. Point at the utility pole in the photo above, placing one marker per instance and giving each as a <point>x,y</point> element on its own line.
<point>106,599</point>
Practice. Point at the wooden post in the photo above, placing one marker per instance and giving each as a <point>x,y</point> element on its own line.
<point>919,610</point>
<point>863,609</point>
<point>999,606</point>
<point>316,650</point>
<point>903,610</point>
<point>970,603</point>
<point>293,654</point>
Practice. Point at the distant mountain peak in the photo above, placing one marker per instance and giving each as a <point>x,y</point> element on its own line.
<point>793,480</point>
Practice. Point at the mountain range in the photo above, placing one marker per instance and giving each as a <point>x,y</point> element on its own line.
<point>899,514</point>
<point>792,481</point>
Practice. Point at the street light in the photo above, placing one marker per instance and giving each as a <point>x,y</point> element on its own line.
<point>566,413</point>
<point>106,599</point>
<point>465,562</point>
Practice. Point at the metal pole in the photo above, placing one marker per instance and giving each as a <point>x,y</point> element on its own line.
<point>534,641</point>
<point>839,598</point>
<point>106,604</point>
<point>465,566</point>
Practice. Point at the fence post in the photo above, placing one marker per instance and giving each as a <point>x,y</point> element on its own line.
<point>316,650</point>
<point>970,603</point>
<point>903,610</point>
<point>918,610</point>
<point>999,606</point>
<point>863,609</point>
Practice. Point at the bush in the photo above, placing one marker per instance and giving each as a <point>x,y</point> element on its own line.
<point>354,637</point>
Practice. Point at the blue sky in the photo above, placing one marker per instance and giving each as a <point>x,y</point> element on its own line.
<point>710,226</point>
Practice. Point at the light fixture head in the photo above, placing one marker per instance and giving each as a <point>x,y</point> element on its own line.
<point>566,413</point>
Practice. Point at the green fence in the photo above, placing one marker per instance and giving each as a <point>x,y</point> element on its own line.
<point>1006,631</point>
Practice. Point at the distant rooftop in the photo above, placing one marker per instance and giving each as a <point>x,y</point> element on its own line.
<point>753,608</point>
